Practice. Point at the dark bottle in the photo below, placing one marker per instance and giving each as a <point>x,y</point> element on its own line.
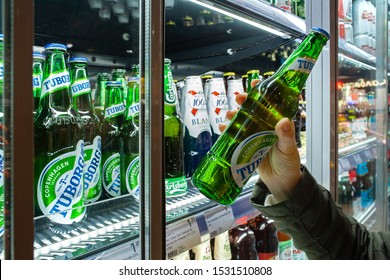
<point>251,133</point>
<point>38,61</point>
<point>100,94</point>
<point>130,134</point>
<point>266,237</point>
<point>59,146</point>
<point>243,243</point>
<point>175,179</point>
<point>112,141</point>
<point>82,102</point>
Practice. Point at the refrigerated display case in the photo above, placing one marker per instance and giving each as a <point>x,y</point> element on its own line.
<point>199,37</point>
<point>362,89</point>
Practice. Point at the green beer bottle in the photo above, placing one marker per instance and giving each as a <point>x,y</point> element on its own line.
<point>119,75</point>
<point>81,94</point>
<point>100,94</point>
<point>59,146</point>
<point>252,75</point>
<point>250,134</point>
<point>112,141</point>
<point>130,135</point>
<point>175,179</point>
<point>38,60</point>
<point>1,140</point>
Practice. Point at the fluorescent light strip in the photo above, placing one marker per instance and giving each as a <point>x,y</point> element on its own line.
<point>357,62</point>
<point>255,24</point>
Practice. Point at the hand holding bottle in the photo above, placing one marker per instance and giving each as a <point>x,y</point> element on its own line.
<point>280,170</point>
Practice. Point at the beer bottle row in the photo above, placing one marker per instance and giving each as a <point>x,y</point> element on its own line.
<point>255,239</point>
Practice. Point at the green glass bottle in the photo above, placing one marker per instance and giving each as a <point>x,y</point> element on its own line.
<point>175,179</point>
<point>1,139</point>
<point>38,60</point>
<point>119,75</point>
<point>82,101</point>
<point>130,134</point>
<point>245,142</point>
<point>112,141</point>
<point>100,94</point>
<point>252,75</point>
<point>59,146</point>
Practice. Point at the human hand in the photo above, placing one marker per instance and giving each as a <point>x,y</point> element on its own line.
<point>280,169</point>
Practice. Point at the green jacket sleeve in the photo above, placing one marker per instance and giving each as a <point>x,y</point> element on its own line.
<point>319,227</point>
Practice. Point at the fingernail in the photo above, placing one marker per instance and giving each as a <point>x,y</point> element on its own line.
<point>286,127</point>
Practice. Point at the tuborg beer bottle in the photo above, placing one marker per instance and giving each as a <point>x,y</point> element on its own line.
<point>81,95</point>
<point>38,60</point>
<point>100,94</point>
<point>175,179</point>
<point>130,133</point>
<point>112,142</point>
<point>119,75</point>
<point>59,146</point>
<point>250,134</point>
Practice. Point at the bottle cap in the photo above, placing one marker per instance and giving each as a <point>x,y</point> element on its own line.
<point>55,46</point>
<point>78,59</point>
<point>38,56</point>
<point>167,60</point>
<point>322,31</point>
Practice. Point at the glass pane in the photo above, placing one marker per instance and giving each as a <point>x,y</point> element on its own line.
<point>360,93</point>
<point>1,136</point>
<point>86,111</point>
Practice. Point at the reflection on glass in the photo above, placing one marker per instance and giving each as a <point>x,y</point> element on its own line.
<point>1,150</point>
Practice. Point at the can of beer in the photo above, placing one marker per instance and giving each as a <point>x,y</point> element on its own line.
<point>234,88</point>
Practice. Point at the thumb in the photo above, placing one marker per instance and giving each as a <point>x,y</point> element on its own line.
<point>285,130</point>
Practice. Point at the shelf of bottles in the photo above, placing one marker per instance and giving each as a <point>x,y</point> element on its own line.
<point>356,86</point>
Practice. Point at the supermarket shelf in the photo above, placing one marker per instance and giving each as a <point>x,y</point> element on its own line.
<point>352,155</point>
<point>353,51</point>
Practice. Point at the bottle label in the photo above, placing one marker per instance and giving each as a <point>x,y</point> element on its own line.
<point>217,109</point>
<point>303,64</point>
<point>132,178</point>
<point>1,70</point>
<point>61,187</point>
<point>55,82</point>
<point>92,170</point>
<point>175,186</point>
<point>196,118</point>
<point>111,175</point>
<point>1,192</point>
<point>36,80</point>
<point>114,111</point>
<point>80,87</point>
<point>133,111</point>
<point>170,94</point>
<point>285,250</point>
<point>268,256</point>
<point>248,155</point>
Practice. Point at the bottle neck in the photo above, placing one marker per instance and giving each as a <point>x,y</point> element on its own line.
<point>170,94</point>
<point>296,69</point>
<point>132,103</point>
<point>55,92</point>
<point>81,89</point>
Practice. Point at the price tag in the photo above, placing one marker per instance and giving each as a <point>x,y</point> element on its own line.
<point>134,250</point>
<point>219,220</point>
<point>345,164</point>
<point>182,236</point>
<point>367,153</point>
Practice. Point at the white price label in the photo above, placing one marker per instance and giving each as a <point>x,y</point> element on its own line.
<point>134,250</point>
<point>345,164</point>
<point>357,158</point>
<point>367,153</point>
<point>219,220</point>
<point>182,236</point>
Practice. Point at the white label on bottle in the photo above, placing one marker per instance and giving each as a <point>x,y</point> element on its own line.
<point>80,87</point>
<point>36,80</point>
<point>1,71</point>
<point>92,170</point>
<point>114,110</point>
<point>219,220</point>
<point>303,64</point>
<point>61,187</point>
<point>217,105</point>
<point>181,237</point>
<point>55,82</point>
<point>196,118</point>
<point>111,175</point>
<point>248,155</point>
<point>133,178</point>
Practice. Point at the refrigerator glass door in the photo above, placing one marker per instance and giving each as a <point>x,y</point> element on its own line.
<point>362,89</point>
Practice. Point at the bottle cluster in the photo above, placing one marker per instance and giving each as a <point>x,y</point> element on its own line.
<point>85,151</point>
